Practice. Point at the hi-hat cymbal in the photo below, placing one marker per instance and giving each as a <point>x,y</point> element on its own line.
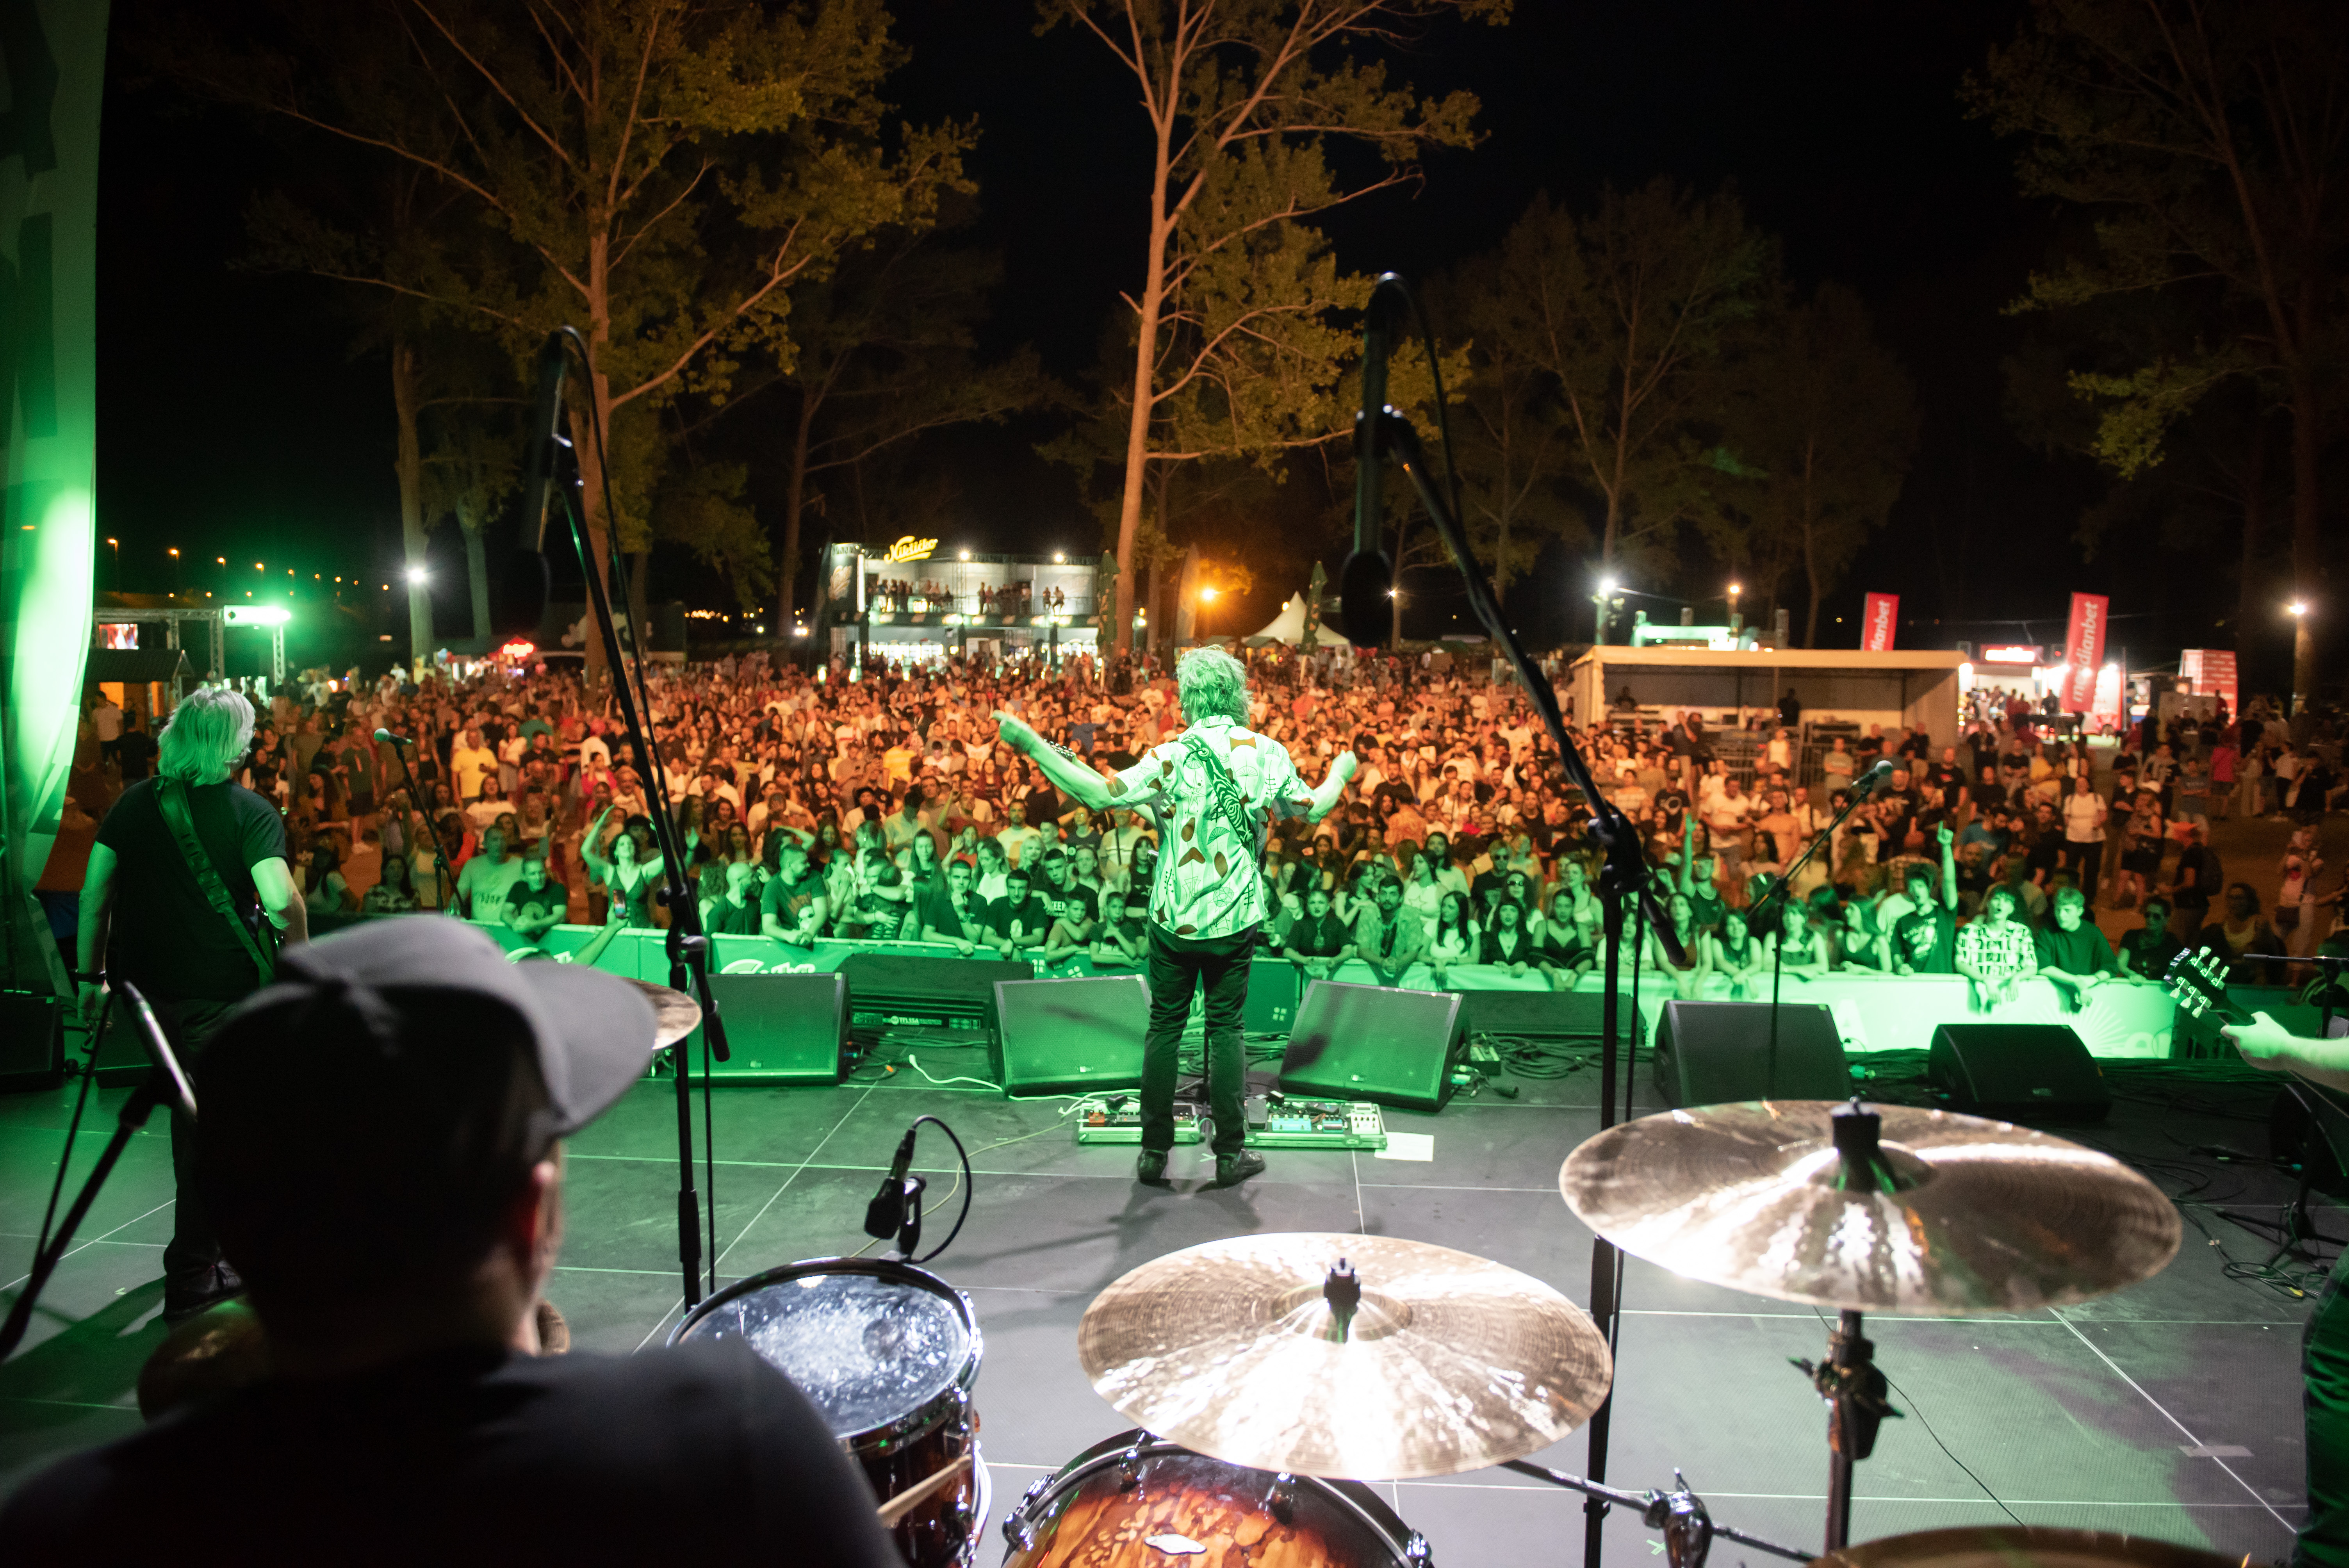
<point>1448,1363</point>
<point>2024,1546</point>
<point>675,1014</point>
<point>1989,1216</point>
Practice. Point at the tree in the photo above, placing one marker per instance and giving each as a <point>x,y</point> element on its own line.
<point>1636,312</point>
<point>1825,425</point>
<point>1508,421</point>
<point>471,471</point>
<point>2207,146</point>
<point>883,349</point>
<point>1242,96</point>
<point>669,170</point>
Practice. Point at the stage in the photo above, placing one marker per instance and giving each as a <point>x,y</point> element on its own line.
<point>2170,1409</point>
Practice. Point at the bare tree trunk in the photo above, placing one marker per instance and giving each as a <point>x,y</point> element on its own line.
<point>2255,501</point>
<point>407,372</point>
<point>640,623</point>
<point>794,499</point>
<point>1810,550</point>
<point>477,575</point>
<point>2307,560</point>
<point>1145,363</point>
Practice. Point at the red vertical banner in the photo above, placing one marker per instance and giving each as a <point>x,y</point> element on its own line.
<point>2083,650</point>
<point>1877,626</point>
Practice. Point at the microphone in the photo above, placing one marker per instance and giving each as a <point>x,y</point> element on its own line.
<point>1366,582</point>
<point>884,1216</point>
<point>522,598</point>
<point>1875,777</point>
<point>385,738</point>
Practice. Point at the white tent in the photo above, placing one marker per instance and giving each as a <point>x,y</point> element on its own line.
<point>1288,626</point>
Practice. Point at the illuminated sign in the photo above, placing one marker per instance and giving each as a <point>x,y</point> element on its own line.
<point>2012,656</point>
<point>256,614</point>
<point>517,650</point>
<point>910,548</point>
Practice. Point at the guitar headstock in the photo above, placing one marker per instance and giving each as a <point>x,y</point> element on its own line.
<point>2197,981</point>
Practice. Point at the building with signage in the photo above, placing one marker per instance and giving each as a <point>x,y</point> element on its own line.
<point>1841,687</point>
<point>917,603</point>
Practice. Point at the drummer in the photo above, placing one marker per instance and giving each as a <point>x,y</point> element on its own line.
<point>1213,787</point>
<point>379,1138</point>
<point>2324,1349</point>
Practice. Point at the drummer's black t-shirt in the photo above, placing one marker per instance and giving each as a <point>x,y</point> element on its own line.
<point>701,1453</point>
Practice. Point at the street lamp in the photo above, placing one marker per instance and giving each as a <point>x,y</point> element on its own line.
<point>116,546</point>
<point>2296,608</point>
<point>1736,621</point>
<point>417,574</point>
<point>1608,603</point>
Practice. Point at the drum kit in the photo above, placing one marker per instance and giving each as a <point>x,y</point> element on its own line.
<point>1272,1377</point>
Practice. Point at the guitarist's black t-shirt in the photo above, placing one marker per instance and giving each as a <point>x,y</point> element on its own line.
<point>166,938</point>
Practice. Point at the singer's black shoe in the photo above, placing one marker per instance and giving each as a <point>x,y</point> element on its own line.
<point>184,1299</point>
<point>1231,1170</point>
<point>1151,1168</point>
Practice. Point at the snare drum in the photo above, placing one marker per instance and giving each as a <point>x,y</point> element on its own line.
<point>887,1353</point>
<point>1136,1502</point>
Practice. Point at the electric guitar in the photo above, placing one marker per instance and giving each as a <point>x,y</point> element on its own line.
<point>2197,981</point>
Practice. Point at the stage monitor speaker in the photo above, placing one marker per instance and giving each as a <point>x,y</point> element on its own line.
<point>32,1040</point>
<point>1375,1042</point>
<point>780,1028</point>
<point>1059,1037</point>
<point>2018,1072</point>
<point>1717,1053</point>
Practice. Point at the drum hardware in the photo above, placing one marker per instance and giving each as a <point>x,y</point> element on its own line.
<point>1689,1530</point>
<point>1853,1386</point>
<point>921,1492</point>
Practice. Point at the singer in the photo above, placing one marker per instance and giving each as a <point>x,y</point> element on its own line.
<point>1214,787</point>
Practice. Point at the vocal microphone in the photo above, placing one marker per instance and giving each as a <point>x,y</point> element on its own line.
<point>522,596</point>
<point>1873,778</point>
<point>886,1215</point>
<point>385,738</point>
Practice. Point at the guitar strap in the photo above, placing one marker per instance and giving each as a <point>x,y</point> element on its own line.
<point>171,801</point>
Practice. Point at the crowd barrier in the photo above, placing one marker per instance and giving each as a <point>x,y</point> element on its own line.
<point>1872,1012</point>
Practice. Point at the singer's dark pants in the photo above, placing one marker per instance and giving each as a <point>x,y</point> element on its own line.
<point>1178,966</point>
<point>194,1249</point>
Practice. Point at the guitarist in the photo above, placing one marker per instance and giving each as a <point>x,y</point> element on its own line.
<point>2324,1349</point>
<point>1215,787</point>
<point>185,868</point>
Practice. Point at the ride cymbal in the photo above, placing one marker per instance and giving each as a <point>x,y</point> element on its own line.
<point>1985,1215</point>
<point>1420,1361</point>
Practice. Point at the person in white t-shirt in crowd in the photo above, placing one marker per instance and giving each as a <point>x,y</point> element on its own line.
<point>2083,815</point>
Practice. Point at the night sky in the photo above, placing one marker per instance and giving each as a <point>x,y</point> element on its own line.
<point>234,419</point>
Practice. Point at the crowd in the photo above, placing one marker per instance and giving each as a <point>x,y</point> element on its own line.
<point>884,808</point>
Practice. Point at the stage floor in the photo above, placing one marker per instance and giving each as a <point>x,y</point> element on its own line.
<point>2169,1410</point>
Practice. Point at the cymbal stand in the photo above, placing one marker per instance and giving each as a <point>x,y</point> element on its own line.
<point>1689,1530</point>
<point>1848,1379</point>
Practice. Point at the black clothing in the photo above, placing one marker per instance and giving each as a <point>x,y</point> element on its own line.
<point>137,751</point>
<point>2150,960</point>
<point>1179,966</point>
<point>726,918</point>
<point>703,1453</point>
<point>1321,938</point>
<point>531,906</point>
<point>165,938</point>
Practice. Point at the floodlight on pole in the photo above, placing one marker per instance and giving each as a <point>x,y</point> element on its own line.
<point>417,574</point>
<point>2297,608</point>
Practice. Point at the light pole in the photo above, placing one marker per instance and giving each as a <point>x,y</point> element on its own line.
<point>1609,604</point>
<point>1737,619</point>
<point>2302,650</point>
<point>116,546</point>
<point>1206,597</point>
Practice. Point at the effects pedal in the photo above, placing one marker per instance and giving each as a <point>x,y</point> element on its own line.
<point>1285,1121</point>
<point>1117,1119</point>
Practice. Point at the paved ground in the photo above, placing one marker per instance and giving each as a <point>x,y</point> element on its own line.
<point>2170,1409</point>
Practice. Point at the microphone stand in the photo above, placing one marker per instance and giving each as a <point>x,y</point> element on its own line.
<point>447,879</point>
<point>1777,893</point>
<point>165,1085</point>
<point>1624,875</point>
<point>687,945</point>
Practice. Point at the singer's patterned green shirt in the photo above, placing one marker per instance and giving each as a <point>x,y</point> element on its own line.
<point>1209,883</point>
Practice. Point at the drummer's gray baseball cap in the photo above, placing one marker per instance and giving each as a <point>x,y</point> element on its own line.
<point>367,991</point>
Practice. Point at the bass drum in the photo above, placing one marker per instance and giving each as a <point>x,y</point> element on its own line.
<point>1136,1502</point>
<point>887,1353</point>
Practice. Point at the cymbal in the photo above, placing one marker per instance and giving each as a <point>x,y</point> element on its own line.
<point>2024,1546</point>
<point>1244,1350</point>
<point>675,1014</point>
<point>1990,1216</point>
